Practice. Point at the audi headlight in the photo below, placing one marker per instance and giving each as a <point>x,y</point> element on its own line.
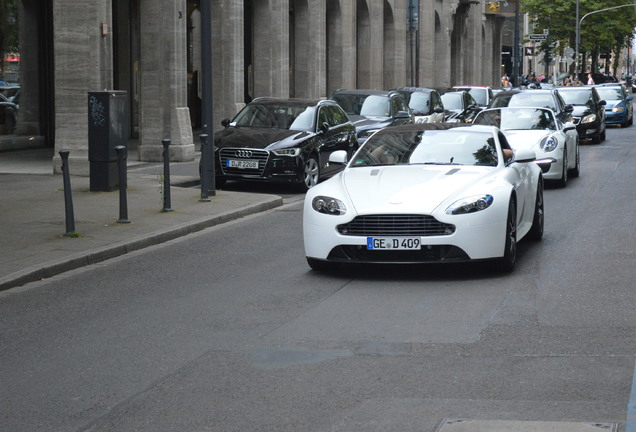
<point>470,204</point>
<point>591,118</point>
<point>618,109</point>
<point>328,205</point>
<point>549,143</point>
<point>291,152</point>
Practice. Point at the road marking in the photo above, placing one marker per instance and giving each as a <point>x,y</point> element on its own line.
<point>467,425</point>
<point>630,424</point>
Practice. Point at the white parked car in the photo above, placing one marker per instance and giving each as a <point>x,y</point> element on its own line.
<point>539,130</point>
<point>422,193</point>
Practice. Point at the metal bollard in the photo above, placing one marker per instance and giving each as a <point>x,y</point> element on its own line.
<point>205,168</point>
<point>68,197</point>
<point>123,203</point>
<point>166,175</point>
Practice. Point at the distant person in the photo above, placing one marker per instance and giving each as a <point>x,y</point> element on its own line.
<point>590,80</point>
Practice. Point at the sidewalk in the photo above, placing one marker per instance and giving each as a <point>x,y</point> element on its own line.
<point>33,222</point>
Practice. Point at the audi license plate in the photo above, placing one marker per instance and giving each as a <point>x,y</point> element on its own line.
<point>397,243</point>
<point>242,164</point>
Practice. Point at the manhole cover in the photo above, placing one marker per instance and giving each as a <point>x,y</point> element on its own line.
<point>467,425</point>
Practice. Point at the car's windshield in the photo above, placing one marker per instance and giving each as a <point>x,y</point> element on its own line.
<point>420,102</point>
<point>578,97</point>
<point>438,147</point>
<point>525,99</point>
<point>277,116</point>
<point>517,118</point>
<point>452,101</point>
<point>364,105</point>
<point>478,93</point>
<point>610,93</point>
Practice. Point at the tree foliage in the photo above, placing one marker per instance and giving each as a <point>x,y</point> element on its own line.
<point>600,32</point>
<point>8,27</point>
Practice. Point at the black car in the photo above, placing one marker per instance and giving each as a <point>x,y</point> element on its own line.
<point>8,114</point>
<point>459,106</point>
<point>534,98</point>
<point>589,111</point>
<point>283,140</point>
<point>372,110</point>
<point>425,103</point>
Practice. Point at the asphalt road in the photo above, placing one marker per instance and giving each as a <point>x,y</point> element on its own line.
<point>229,330</point>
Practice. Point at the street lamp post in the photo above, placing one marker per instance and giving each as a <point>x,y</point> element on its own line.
<point>578,27</point>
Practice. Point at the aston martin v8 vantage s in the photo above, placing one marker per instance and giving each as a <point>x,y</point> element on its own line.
<point>418,194</point>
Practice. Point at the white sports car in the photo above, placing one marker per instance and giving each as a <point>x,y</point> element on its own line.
<point>538,129</point>
<point>420,194</point>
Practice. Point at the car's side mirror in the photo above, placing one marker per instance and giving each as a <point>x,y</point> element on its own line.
<point>603,102</point>
<point>403,114</point>
<point>339,157</point>
<point>324,127</point>
<point>525,155</point>
<point>569,126</point>
<point>629,98</point>
<point>438,110</point>
<point>225,122</point>
<point>568,108</point>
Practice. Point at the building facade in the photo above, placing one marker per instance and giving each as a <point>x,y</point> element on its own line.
<point>281,48</point>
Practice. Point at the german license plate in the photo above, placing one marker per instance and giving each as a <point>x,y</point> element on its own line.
<point>242,164</point>
<point>394,243</point>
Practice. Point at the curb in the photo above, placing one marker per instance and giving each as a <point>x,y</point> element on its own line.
<point>72,262</point>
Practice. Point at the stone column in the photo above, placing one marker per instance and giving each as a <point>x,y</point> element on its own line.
<point>83,63</point>
<point>271,48</point>
<point>316,54</point>
<point>349,44</point>
<point>164,109</point>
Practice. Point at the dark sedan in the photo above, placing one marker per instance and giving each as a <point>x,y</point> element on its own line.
<point>589,111</point>
<point>372,110</point>
<point>459,107</point>
<point>283,140</point>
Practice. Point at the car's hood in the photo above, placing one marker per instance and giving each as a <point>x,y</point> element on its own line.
<point>407,189</point>
<point>261,138</point>
<point>581,110</point>
<point>527,139</point>
<point>363,123</point>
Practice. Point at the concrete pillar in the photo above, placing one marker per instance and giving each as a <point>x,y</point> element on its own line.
<point>164,110</point>
<point>271,48</point>
<point>83,63</point>
<point>349,44</point>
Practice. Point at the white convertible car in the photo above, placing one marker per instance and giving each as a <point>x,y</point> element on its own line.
<point>421,194</point>
<point>538,129</point>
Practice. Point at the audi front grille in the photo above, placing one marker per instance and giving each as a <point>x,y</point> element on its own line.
<point>243,154</point>
<point>396,225</point>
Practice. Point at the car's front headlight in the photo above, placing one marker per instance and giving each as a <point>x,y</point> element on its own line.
<point>549,143</point>
<point>328,205</point>
<point>470,204</point>
<point>367,133</point>
<point>618,109</point>
<point>292,152</point>
<point>590,118</point>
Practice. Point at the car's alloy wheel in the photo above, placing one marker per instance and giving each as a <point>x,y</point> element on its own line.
<point>507,263</point>
<point>538,221</point>
<point>563,181</point>
<point>311,173</point>
<point>576,171</point>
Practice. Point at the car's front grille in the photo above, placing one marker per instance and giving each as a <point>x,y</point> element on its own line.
<point>242,154</point>
<point>396,225</point>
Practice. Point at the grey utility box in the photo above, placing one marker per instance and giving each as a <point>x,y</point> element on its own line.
<point>107,129</point>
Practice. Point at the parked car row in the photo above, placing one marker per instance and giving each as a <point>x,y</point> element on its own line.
<point>290,140</point>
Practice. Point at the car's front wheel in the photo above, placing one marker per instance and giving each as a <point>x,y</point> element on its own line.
<point>507,262</point>
<point>538,221</point>
<point>563,181</point>
<point>576,171</point>
<point>311,173</point>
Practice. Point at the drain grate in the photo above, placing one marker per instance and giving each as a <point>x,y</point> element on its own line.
<point>470,425</point>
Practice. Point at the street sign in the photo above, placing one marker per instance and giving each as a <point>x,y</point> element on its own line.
<point>538,37</point>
